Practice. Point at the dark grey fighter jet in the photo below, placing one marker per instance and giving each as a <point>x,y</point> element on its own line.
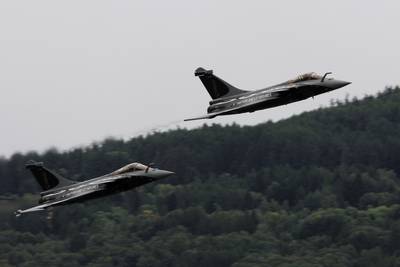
<point>61,191</point>
<point>228,99</point>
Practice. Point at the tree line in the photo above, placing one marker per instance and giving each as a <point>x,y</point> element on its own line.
<point>317,189</point>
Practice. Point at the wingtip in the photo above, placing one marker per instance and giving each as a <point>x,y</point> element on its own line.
<point>208,116</point>
<point>195,119</point>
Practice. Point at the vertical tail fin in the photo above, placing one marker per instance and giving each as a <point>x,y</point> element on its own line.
<point>215,86</point>
<point>46,178</point>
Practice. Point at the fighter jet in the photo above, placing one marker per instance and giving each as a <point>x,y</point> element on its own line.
<point>61,191</point>
<point>227,99</point>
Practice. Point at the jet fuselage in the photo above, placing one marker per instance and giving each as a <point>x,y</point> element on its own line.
<point>61,191</point>
<point>228,99</point>
<point>277,95</point>
<point>94,188</point>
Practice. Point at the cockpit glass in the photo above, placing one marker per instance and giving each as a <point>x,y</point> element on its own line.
<point>133,167</point>
<point>306,77</point>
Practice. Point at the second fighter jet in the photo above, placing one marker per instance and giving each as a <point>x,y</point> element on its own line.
<point>227,99</point>
<point>61,191</point>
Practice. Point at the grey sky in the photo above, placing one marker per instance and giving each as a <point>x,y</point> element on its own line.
<point>73,72</point>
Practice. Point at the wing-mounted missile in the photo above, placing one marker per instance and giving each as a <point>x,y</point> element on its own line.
<point>201,117</point>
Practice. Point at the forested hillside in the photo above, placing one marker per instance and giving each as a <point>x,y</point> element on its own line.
<point>318,189</point>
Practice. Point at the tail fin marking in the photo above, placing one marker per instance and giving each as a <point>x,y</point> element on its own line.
<point>215,86</point>
<point>46,178</point>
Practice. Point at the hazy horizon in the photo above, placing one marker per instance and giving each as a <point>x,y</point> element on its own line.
<point>77,72</point>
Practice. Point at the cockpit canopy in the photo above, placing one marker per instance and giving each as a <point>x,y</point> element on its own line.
<point>133,167</point>
<point>306,77</point>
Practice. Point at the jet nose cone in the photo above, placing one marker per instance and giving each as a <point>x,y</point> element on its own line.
<point>159,174</point>
<point>336,84</point>
<point>341,84</point>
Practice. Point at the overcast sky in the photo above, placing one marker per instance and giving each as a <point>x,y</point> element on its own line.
<point>73,72</point>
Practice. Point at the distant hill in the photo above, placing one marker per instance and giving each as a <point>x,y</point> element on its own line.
<point>317,189</point>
